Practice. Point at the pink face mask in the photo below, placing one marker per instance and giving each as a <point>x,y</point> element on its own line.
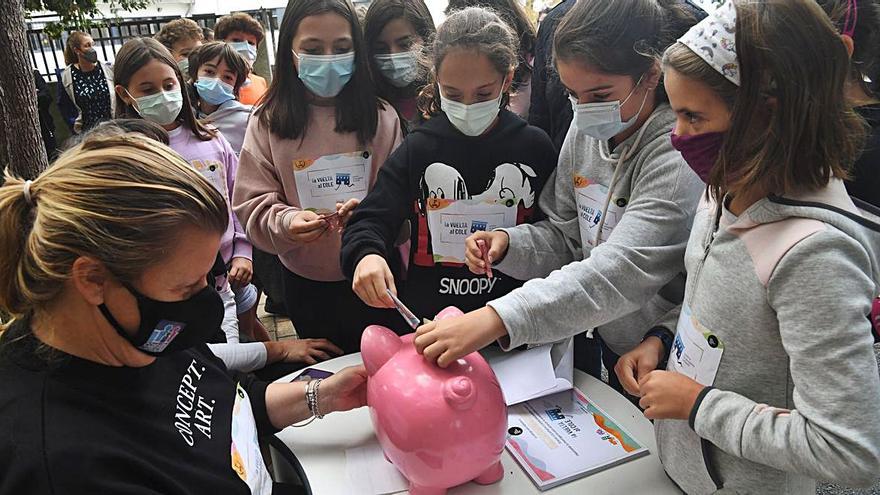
<point>700,151</point>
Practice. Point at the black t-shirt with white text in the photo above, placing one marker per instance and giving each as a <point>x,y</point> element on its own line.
<point>68,425</point>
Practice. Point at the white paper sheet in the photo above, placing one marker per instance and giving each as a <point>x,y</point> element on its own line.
<point>369,473</point>
<point>532,373</point>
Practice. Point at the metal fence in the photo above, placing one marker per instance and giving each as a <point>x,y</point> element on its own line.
<point>47,54</point>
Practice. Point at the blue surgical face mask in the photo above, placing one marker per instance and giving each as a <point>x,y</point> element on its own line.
<point>214,91</point>
<point>401,69</point>
<point>602,120</point>
<point>161,108</point>
<point>184,67</point>
<point>245,49</point>
<point>325,75</point>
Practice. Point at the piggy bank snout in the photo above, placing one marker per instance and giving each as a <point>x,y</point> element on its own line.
<point>460,392</point>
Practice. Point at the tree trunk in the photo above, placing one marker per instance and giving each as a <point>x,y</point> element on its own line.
<point>21,144</point>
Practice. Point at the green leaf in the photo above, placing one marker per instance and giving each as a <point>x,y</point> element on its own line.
<point>79,14</point>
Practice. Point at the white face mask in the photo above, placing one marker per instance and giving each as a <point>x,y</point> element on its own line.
<point>471,120</point>
<point>161,108</point>
<point>401,69</point>
<point>245,49</point>
<point>603,120</point>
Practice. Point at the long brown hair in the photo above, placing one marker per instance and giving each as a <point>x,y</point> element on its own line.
<point>284,109</point>
<point>138,52</point>
<point>380,13</point>
<point>791,127</point>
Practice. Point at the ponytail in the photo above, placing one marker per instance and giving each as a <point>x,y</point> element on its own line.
<point>121,200</point>
<point>16,219</point>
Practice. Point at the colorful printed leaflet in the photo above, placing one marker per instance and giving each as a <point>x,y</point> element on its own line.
<point>562,437</point>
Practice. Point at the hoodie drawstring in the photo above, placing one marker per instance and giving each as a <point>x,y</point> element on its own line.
<point>625,155</point>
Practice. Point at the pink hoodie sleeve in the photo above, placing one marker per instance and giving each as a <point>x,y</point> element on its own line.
<point>259,200</point>
<point>241,246</point>
<point>388,137</point>
<point>396,136</point>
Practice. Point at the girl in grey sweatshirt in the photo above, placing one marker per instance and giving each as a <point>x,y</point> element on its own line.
<point>619,206</point>
<point>771,382</point>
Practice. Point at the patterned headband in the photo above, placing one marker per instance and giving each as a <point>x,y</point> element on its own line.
<point>714,40</point>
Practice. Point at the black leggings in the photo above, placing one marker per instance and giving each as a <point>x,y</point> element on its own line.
<point>331,310</point>
<point>588,355</point>
<point>591,354</point>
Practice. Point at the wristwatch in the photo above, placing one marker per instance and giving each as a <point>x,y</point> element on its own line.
<point>666,337</point>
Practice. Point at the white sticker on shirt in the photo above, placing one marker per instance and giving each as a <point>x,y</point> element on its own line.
<point>324,181</point>
<point>247,461</point>
<point>215,172</point>
<point>451,222</point>
<point>696,351</point>
<point>590,200</point>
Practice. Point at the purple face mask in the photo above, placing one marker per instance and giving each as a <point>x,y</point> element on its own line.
<point>699,151</point>
<point>875,316</point>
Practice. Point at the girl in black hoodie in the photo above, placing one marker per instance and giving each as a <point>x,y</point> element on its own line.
<point>473,166</point>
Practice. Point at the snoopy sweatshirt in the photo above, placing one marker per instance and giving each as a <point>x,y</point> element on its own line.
<point>625,283</point>
<point>784,290</point>
<point>441,186</point>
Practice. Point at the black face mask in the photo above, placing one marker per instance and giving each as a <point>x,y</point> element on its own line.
<point>172,326</point>
<point>90,55</point>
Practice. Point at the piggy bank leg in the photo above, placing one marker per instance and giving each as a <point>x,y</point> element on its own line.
<point>424,490</point>
<point>491,475</point>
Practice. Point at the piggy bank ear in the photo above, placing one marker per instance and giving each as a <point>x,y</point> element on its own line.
<point>378,344</point>
<point>448,312</point>
<point>459,392</point>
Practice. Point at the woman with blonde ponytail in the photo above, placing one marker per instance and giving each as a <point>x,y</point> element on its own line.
<point>103,265</point>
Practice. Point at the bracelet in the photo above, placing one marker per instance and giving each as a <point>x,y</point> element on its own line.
<point>304,424</point>
<point>312,402</point>
<point>312,397</point>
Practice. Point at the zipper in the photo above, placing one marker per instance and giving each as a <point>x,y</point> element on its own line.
<point>709,239</point>
<point>705,445</point>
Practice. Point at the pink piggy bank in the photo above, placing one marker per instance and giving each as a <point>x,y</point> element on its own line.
<point>440,427</point>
